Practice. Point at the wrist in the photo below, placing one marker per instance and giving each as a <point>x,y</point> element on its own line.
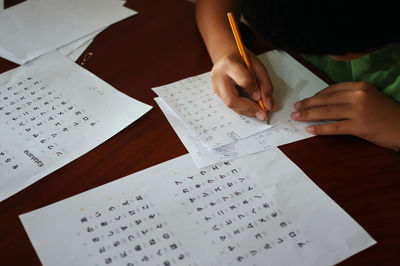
<point>227,51</point>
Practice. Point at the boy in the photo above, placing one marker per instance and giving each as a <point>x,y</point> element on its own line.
<point>348,40</point>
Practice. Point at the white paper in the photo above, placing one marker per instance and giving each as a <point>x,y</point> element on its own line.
<point>1,5</point>
<point>194,102</point>
<point>51,112</point>
<point>201,155</point>
<point>299,83</point>
<point>257,209</point>
<point>291,81</point>
<point>75,49</point>
<point>36,27</point>
<point>71,47</point>
<point>5,54</point>
<point>79,51</point>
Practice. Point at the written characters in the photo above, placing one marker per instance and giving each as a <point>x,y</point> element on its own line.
<point>34,158</point>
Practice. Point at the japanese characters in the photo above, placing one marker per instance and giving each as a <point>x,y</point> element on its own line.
<point>51,112</point>
<point>243,212</point>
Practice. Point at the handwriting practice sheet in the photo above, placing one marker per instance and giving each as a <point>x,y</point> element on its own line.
<point>51,112</point>
<point>201,155</point>
<point>291,81</point>
<point>249,211</point>
<point>194,102</point>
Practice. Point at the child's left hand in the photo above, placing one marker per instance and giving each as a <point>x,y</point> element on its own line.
<point>360,110</point>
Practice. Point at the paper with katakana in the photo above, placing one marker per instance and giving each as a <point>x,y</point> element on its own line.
<point>249,211</point>
<point>51,112</point>
<point>194,102</point>
<point>292,82</point>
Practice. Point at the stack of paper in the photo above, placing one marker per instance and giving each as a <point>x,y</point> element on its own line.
<point>36,27</point>
<point>212,133</point>
<point>74,50</point>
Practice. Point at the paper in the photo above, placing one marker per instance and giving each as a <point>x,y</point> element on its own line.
<point>75,49</point>
<point>36,27</point>
<point>51,112</point>
<point>71,47</point>
<point>257,209</point>
<point>1,5</point>
<point>201,155</point>
<point>195,103</point>
<point>291,81</point>
<point>79,51</point>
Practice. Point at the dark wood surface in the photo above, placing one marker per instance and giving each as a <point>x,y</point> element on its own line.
<point>161,45</point>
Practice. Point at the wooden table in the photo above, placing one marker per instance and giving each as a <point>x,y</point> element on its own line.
<point>161,45</point>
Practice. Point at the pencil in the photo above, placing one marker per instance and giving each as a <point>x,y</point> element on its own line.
<point>242,51</point>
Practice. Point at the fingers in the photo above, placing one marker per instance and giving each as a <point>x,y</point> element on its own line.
<point>323,99</point>
<point>229,73</point>
<point>226,89</point>
<point>248,107</point>
<point>257,86</point>
<point>345,86</point>
<point>330,112</point>
<point>337,128</point>
<point>239,73</point>
<point>264,83</point>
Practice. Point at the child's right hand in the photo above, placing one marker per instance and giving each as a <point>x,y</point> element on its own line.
<point>229,72</point>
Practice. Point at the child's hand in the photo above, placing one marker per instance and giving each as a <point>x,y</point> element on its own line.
<point>360,109</point>
<point>229,72</point>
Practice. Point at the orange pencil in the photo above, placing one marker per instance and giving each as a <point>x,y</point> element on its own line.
<point>242,52</point>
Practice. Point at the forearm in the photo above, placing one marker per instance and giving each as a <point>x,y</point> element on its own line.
<point>393,131</point>
<point>214,27</point>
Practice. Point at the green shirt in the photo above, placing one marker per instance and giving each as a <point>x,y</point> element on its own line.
<point>380,68</point>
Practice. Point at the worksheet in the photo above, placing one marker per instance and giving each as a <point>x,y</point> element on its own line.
<point>36,27</point>
<point>280,134</point>
<point>51,112</point>
<point>292,82</point>
<point>195,103</point>
<point>256,209</point>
